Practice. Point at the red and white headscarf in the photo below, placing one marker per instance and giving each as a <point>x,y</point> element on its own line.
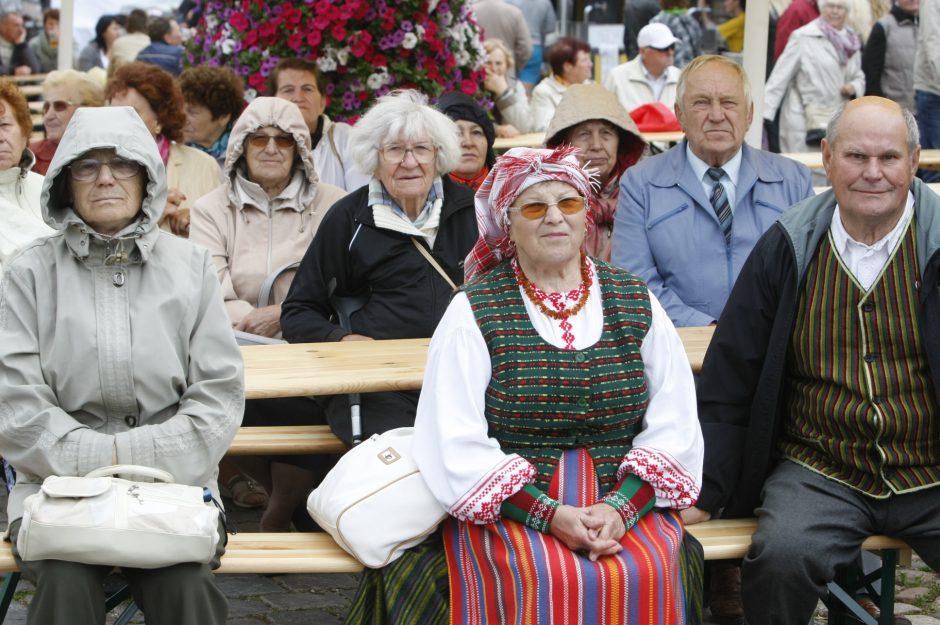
<point>514,172</point>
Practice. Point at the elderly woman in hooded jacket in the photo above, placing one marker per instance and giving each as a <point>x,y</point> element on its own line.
<point>259,223</point>
<point>114,349</point>
<point>591,118</point>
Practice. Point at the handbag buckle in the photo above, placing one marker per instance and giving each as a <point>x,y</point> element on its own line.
<point>389,455</point>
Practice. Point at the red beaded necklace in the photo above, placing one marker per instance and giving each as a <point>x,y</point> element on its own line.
<point>557,300</point>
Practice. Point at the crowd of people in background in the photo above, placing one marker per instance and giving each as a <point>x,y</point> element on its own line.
<point>295,217</point>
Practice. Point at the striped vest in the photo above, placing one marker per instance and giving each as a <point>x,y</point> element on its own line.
<point>542,399</point>
<point>860,401</point>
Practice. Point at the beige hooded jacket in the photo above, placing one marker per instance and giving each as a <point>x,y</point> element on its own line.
<point>113,345</point>
<point>249,235</point>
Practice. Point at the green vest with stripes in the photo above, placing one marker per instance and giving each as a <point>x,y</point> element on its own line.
<point>860,402</point>
<point>543,399</point>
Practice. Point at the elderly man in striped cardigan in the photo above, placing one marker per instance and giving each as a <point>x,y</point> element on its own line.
<point>819,393</point>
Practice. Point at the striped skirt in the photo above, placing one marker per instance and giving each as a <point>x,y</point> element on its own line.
<point>509,574</point>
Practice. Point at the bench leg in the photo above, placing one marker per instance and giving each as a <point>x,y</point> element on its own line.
<point>889,562</point>
<point>116,599</point>
<point>7,590</point>
<point>841,602</point>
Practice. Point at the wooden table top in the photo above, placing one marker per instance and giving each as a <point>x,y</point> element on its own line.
<point>929,158</point>
<point>305,369</point>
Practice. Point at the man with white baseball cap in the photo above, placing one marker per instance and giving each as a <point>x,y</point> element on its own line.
<point>651,76</point>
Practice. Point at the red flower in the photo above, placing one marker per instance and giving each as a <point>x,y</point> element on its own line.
<point>338,32</point>
<point>468,86</point>
<point>294,41</point>
<point>238,22</point>
<point>314,38</point>
<point>251,38</point>
<point>268,29</point>
<point>256,80</point>
<point>379,60</point>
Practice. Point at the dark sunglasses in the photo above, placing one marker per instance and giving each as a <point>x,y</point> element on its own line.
<point>666,49</point>
<point>58,105</point>
<point>261,140</point>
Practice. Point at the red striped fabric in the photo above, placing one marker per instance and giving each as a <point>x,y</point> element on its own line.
<point>506,573</point>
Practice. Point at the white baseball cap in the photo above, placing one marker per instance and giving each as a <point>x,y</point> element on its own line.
<point>655,35</point>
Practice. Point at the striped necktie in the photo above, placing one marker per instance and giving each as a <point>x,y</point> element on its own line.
<point>720,203</point>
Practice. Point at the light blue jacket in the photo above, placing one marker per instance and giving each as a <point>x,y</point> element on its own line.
<point>666,231</point>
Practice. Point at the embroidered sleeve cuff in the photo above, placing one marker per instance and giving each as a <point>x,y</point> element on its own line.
<point>631,498</point>
<point>532,507</point>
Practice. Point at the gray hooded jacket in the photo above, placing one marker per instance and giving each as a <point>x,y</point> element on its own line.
<point>113,345</point>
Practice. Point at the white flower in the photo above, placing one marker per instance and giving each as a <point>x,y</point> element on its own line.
<point>227,46</point>
<point>326,63</point>
<point>376,80</point>
<point>419,29</point>
<point>342,55</point>
<point>432,5</point>
<point>462,57</point>
<point>410,41</point>
<point>250,94</point>
<point>446,19</point>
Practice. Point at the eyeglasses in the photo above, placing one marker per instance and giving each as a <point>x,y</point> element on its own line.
<point>59,106</point>
<point>671,48</point>
<point>261,140</point>
<point>537,210</point>
<point>424,154</point>
<point>88,169</point>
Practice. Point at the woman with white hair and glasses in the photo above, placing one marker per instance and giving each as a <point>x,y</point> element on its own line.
<point>396,245</point>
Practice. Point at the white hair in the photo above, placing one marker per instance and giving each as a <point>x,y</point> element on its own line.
<point>404,116</point>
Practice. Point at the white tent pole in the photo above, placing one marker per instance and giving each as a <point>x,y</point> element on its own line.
<point>756,20</point>
<point>66,35</point>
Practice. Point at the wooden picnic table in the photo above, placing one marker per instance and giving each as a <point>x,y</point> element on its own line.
<point>302,369</point>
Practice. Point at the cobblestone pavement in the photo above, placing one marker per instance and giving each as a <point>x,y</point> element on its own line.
<point>324,599</point>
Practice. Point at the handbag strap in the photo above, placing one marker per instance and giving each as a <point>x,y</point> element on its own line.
<point>424,252</point>
<point>132,469</point>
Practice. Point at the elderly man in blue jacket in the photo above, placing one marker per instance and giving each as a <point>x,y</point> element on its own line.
<point>688,218</point>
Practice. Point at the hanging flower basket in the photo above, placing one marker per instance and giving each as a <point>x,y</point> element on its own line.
<point>364,48</point>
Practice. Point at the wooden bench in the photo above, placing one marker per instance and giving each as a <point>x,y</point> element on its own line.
<point>309,552</point>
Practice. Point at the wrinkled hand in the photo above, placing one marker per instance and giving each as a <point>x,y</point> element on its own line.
<point>507,131</point>
<point>579,530</point>
<point>693,515</point>
<point>179,222</point>
<point>173,216</point>
<point>495,84</point>
<point>606,528</point>
<point>357,337</point>
<point>265,321</point>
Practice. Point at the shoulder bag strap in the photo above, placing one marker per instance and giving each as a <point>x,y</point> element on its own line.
<point>424,252</point>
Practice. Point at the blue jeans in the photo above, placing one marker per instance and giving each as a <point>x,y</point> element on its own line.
<point>928,122</point>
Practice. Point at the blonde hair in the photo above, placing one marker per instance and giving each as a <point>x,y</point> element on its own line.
<point>497,44</point>
<point>89,92</point>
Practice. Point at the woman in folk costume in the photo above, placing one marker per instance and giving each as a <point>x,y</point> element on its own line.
<point>556,424</point>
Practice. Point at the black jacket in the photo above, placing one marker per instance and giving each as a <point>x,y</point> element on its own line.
<point>741,389</point>
<point>406,295</point>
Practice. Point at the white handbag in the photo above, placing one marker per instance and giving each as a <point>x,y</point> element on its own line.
<point>374,502</point>
<point>100,519</point>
